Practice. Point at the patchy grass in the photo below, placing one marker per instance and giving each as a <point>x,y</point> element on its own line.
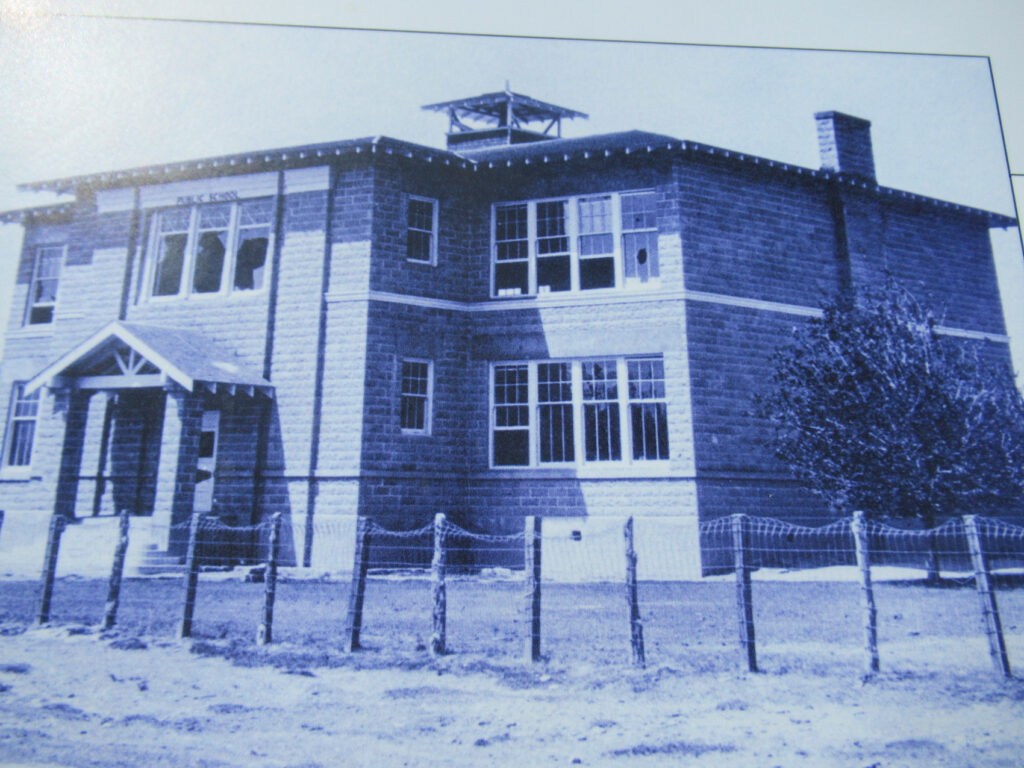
<point>672,748</point>
<point>802,627</point>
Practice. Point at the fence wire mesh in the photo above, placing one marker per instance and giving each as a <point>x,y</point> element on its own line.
<point>397,605</point>
<point>805,591</point>
<point>485,597</point>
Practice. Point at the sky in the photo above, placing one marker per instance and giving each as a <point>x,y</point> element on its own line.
<point>80,93</point>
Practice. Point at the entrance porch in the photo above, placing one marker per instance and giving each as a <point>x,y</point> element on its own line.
<point>161,422</point>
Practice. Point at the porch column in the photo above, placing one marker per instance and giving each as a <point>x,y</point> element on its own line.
<point>176,470</point>
<point>92,488</point>
<point>74,405</point>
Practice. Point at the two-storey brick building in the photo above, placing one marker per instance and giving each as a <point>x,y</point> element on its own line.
<point>517,324</point>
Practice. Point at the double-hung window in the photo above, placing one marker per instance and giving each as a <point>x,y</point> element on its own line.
<point>596,243</point>
<point>574,413</point>
<point>416,394</point>
<point>575,243</point>
<point>511,416</point>
<point>421,236</point>
<point>555,436</point>
<point>601,416</point>
<point>21,427</point>
<point>553,259</point>
<point>42,296</point>
<point>511,249</point>
<point>648,408</point>
<point>639,237</point>
<point>215,248</point>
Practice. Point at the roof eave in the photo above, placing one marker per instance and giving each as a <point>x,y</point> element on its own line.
<point>21,215</point>
<point>636,143</point>
<point>244,162</point>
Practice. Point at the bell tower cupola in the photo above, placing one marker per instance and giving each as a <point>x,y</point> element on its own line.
<point>501,118</point>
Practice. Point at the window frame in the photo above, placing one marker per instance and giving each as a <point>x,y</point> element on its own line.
<point>623,401</point>
<point>17,397</point>
<point>573,233</point>
<point>30,303</point>
<point>186,282</point>
<point>434,231</point>
<point>428,398</point>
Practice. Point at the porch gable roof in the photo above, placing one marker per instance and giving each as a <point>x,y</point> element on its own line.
<point>156,355</point>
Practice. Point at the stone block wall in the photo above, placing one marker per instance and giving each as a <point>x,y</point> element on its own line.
<point>745,254</point>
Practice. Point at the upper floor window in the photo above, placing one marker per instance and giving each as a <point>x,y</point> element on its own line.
<point>42,296</point>
<point>575,412</point>
<point>210,249</point>
<point>421,242</point>
<point>417,390</point>
<point>21,427</point>
<point>575,243</point>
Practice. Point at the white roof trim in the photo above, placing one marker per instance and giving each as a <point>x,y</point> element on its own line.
<point>113,330</point>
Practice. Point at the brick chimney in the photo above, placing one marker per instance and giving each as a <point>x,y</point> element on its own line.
<point>845,144</point>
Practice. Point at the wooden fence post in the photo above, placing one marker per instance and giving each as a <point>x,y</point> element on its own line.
<point>1,521</point>
<point>989,609</point>
<point>57,523</point>
<point>265,632</point>
<point>357,592</point>
<point>744,597</point>
<point>191,577</point>
<point>437,578</point>
<point>116,572</point>
<point>636,627</point>
<point>858,527</point>
<point>532,552</point>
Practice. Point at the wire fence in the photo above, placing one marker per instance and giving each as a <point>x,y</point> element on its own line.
<point>850,595</point>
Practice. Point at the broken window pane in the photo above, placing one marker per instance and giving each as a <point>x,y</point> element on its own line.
<point>640,255</point>
<point>640,236</point>
<point>601,411</point>
<point>251,258</point>
<point>211,246</point>
<point>170,260</point>
<point>209,262</point>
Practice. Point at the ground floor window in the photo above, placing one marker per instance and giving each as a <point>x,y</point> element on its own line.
<point>571,412</point>
<point>21,427</point>
<point>416,393</point>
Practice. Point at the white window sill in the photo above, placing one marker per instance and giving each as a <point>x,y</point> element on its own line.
<point>219,296</point>
<point>630,288</point>
<point>17,474</point>
<point>592,471</point>
<point>32,332</point>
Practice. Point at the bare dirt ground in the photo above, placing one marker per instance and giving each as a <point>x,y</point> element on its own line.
<point>70,696</point>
